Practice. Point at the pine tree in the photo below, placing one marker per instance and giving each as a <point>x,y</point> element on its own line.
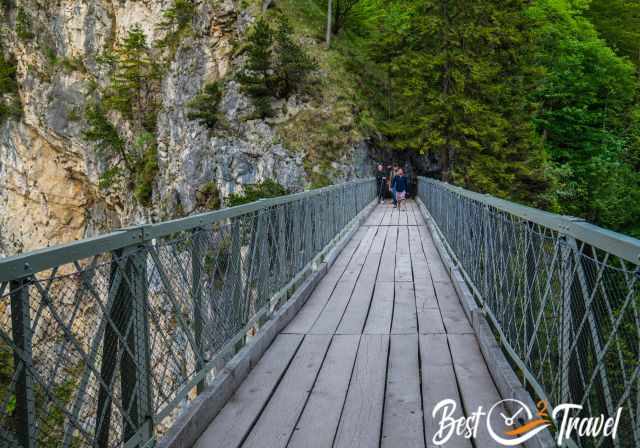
<point>204,106</point>
<point>465,77</point>
<point>135,82</point>
<point>293,65</point>
<point>257,78</point>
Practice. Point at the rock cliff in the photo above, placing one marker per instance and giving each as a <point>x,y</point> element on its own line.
<point>50,189</point>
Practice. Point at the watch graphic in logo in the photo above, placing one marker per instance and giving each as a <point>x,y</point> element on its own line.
<point>519,426</point>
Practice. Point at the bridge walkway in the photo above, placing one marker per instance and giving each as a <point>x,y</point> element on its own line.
<point>380,341</point>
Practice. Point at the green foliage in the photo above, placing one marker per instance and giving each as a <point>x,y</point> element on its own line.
<point>147,167</point>
<point>135,81</point>
<point>588,117</point>
<point>177,23</point>
<point>208,196</point>
<point>104,134</point>
<point>257,78</point>
<point>276,65</point>
<point>204,106</point>
<point>10,105</point>
<point>292,64</point>
<point>268,188</point>
<point>24,25</point>
<point>452,78</point>
<point>618,22</point>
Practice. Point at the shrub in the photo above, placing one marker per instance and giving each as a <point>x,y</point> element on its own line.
<point>10,105</point>
<point>147,168</point>
<point>204,106</point>
<point>268,188</point>
<point>208,196</point>
<point>24,25</point>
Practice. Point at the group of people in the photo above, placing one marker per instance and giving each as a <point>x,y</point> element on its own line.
<point>394,180</point>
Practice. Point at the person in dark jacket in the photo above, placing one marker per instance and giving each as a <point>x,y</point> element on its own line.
<point>400,187</point>
<point>381,183</point>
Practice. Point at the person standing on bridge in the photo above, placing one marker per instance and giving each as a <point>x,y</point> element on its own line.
<point>400,188</point>
<point>381,183</point>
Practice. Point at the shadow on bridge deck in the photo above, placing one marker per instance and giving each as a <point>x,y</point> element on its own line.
<point>381,340</point>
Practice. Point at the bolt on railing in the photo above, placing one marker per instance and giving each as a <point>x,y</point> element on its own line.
<point>563,297</point>
<point>103,341</point>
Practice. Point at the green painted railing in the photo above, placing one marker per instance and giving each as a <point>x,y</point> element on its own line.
<point>563,296</point>
<point>103,341</point>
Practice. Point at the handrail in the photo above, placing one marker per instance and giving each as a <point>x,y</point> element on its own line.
<point>103,341</point>
<point>618,244</point>
<point>23,265</point>
<point>563,297</point>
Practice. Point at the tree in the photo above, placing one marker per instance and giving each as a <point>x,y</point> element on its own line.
<point>177,21</point>
<point>204,106</point>
<point>618,22</point>
<point>257,77</point>
<point>461,73</point>
<point>276,65</point>
<point>292,64</point>
<point>588,117</point>
<point>135,81</point>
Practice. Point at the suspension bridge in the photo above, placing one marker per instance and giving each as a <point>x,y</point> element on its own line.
<point>322,319</point>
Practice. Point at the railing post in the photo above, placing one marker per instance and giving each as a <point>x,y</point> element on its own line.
<point>25,411</point>
<point>128,329</point>
<point>565,342</point>
<point>237,276</point>
<point>196,296</point>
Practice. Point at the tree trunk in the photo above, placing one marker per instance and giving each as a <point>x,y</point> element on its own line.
<point>329,17</point>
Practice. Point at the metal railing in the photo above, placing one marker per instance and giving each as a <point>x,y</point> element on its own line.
<point>103,341</point>
<point>563,296</point>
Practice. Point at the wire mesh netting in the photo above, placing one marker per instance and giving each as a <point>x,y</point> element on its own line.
<point>106,350</point>
<point>570,311</point>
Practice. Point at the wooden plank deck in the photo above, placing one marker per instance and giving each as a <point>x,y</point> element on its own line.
<point>380,341</point>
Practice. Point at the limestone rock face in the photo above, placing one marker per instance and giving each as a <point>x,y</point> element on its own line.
<point>49,173</point>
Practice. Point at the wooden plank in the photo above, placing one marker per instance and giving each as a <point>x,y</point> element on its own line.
<point>438,383</point>
<point>404,310</point>
<point>430,321</point>
<point>235,420</point>
<point>395,218</point>
<point>361,418</point>
<point>455,321</point>
<point>402,424</point>
<point>447,296</point>
<point>403,271</point>
<point>453,316</point>
<point>411,214</point>
<point>319,421</point>
<point>357,309</point>
<point>386,220</point>
<point>381,311</point>
<point>330,317</point>
<point>306,317</point>
<point>304,320</point>
<point>355,315</point>
<point>352,271</point>
<point>277,421</point>
<point>387,270</point>
<point>403,217</point>
<point>375,217</point>
<point>476,385</point>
